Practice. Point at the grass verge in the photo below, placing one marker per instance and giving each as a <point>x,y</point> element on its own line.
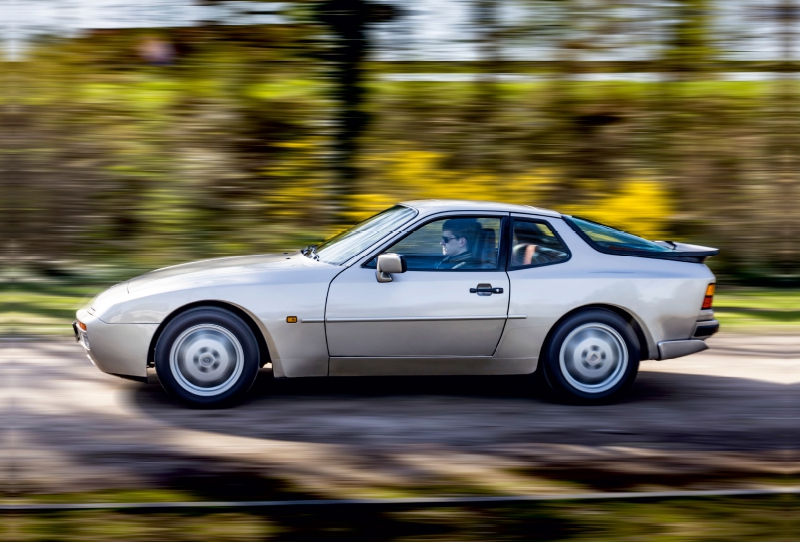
<point>46,306</point>
<point>765,518</point>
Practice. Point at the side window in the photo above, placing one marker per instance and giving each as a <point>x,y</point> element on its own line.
<point>535,243</point>
<point>455,243</point>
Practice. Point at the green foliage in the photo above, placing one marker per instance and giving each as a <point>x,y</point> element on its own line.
<point>709,519</point>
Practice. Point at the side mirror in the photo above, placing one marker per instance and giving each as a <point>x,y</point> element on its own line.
<point>388,264</point>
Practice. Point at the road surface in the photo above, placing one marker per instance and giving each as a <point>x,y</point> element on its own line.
<point>724,418</point>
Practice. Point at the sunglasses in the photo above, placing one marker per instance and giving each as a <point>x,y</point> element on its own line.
<point>446,239</point>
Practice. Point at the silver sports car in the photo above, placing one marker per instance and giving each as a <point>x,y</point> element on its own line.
<point>423,288</point>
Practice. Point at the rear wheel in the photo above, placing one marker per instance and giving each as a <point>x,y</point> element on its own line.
<point>592,356</point>
<point>207,356</point>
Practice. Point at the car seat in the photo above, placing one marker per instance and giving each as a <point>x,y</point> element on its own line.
<point>486,251</point>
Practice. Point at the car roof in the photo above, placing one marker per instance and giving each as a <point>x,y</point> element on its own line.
<point>431,206</point>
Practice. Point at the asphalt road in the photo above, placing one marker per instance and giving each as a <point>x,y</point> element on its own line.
<point>725,418</point>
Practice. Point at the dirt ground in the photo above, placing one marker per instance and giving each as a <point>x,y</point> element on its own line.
<point>724,418</point>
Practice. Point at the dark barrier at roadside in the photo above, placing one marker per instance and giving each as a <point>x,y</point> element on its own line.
<point>394,504</point>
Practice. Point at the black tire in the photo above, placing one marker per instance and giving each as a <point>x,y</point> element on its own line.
<point>591,357</point>
<point>207,357</point>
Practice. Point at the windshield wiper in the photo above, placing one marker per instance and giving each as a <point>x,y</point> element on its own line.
<point>310,252</point>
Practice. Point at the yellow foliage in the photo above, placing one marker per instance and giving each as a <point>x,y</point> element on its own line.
<point>641,207</point>
<point>414,174</point>
<point>363,206</point>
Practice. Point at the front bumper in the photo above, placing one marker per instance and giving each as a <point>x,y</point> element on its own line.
<point>118,349</point>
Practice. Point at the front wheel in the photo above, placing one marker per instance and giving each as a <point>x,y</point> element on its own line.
<point>207,357</point>
<point>592,357</point>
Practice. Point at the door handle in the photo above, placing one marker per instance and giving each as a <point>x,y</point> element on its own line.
<point>485,289</point>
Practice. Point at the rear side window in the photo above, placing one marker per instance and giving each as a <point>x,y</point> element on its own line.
<point>535,244</point>
<point>612,241</point>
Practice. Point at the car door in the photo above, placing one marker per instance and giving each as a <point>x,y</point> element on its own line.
<point>441,310</point>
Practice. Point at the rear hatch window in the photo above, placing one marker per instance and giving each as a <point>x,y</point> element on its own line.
<point>616,240</point>
<point>613,241</point>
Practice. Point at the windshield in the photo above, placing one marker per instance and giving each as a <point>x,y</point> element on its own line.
<point>610,239</point>
<point>343,246</point>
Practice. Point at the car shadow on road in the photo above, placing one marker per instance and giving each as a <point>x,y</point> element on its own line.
<point>266,388</point>
<point>663,409</point>
<point>525,387</point>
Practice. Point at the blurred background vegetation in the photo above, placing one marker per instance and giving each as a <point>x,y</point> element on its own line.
<point>719,519</point>
<point>141,146</point>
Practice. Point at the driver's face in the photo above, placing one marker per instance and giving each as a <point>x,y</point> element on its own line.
<point>452,245</point>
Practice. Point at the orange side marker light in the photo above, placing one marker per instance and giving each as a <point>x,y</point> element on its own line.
<point>291,319</point>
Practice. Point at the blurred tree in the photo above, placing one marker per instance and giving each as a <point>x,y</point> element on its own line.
<point>689,44</point>
<point>787,141</point>
<point>573,36</point>
<point>346,22</point>
<point>483,146</point>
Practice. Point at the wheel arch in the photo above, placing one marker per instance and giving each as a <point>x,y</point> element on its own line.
<point>644,348</point>
<point>250,319</point>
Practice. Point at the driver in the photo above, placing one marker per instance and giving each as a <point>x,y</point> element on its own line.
<point>459,237</point>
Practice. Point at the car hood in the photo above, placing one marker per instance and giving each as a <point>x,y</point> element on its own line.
<point>220,267</point>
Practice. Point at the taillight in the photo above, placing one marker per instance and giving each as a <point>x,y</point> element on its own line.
<point>709,299</point>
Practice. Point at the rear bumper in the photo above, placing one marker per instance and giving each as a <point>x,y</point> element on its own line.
<point>706,329</point>
<point>118,349</point>
<point>678,349</point>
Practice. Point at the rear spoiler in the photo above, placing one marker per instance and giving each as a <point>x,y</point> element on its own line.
<point>684,252</point>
